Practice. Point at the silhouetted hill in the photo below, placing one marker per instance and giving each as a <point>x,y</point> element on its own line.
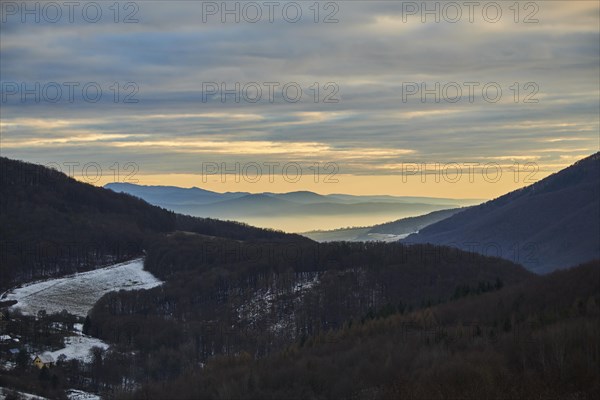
<point>302,197</point>
<point>413,224</point>
<point>172,195</point>
<point>537,339</point>
<point>389,231</point>
<point>51,224</point>
<point>554,223</point>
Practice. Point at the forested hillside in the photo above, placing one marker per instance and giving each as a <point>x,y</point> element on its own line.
<point>538,339</point>
<point>53,225</point>
<point>551,224</point>
<point>413,224</point>
<point>225,297</point>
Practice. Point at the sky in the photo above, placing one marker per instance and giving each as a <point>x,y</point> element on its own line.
<point>359,97</point>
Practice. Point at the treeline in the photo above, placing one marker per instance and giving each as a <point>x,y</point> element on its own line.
<point>53,225</point>
<point>520,342</point>
<point>224,297</point>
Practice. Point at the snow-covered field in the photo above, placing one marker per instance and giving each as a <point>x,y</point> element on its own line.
<point>78,347</point>
<point>78,293</point>
<point>72,394</point>
<point>4,392</point>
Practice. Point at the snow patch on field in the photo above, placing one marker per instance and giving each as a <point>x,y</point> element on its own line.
<point>261,304</point>
<point>78,293</point>
<point>386,237</point>
<point>78,348</point>
<point>73,394</point>
<point>28,396</point>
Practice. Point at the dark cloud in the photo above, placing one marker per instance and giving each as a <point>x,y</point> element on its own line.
<point>368,54</point>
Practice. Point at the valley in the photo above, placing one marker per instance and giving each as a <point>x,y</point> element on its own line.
<point>197,307</point>
<point>299,200</point>
<point>291,212</point>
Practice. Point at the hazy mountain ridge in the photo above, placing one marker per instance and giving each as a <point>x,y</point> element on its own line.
<point>551,224</point>
<point>288,211</point>
<point>303,196</point>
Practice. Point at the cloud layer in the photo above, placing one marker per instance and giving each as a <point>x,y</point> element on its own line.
<point>358,78</point>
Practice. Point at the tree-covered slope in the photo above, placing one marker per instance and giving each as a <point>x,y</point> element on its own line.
<point>538,339</point>
<point>51,224</point>
<point>554,223</point>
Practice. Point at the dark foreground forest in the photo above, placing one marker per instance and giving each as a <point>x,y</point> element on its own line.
<point>537,339</point>
<point>251,313</point>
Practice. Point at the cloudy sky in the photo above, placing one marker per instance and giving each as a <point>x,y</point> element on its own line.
<point>380,82</point>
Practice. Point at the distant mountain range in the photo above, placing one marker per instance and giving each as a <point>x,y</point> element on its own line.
<point>293,211</point>
<point>552,224</point>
